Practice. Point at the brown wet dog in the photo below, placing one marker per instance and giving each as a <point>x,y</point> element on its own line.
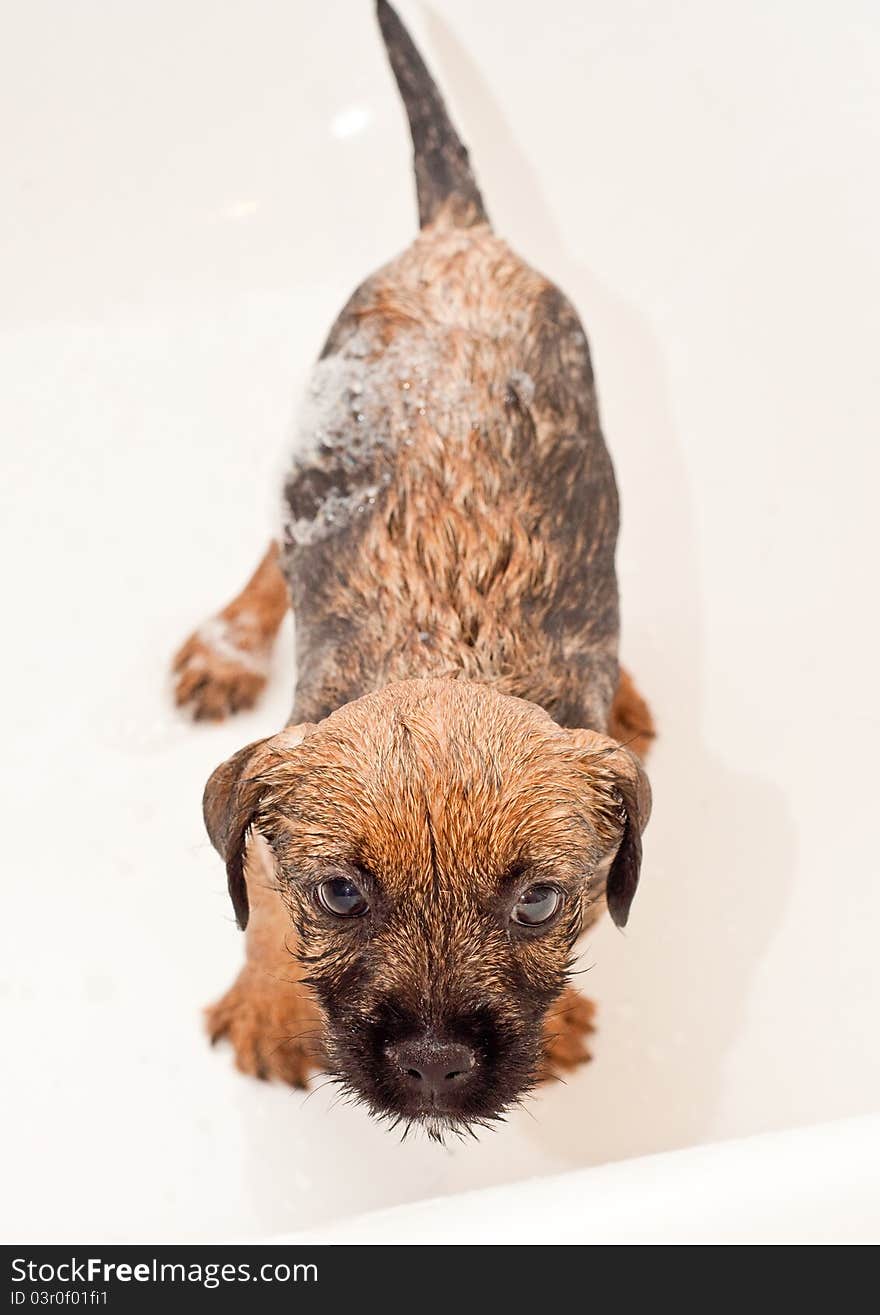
<point>451,805</point>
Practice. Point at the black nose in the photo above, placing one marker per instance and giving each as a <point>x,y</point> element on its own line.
<point>431,1066</point>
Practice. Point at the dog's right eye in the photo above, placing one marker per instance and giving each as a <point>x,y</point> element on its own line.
<point>536,905</point>
<point>342,897</point>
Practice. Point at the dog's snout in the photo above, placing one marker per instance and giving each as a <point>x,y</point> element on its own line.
<point>431,1066</point>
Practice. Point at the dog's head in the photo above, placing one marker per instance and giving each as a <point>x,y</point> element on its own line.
<point>439,846</point>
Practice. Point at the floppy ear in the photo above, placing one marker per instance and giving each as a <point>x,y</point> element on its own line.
<point>619,776</point>
<point>230,803</point>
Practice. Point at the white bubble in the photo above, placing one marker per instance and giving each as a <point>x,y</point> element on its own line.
<point>350,121</point>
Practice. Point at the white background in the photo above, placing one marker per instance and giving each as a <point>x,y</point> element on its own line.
<point>189,192</point>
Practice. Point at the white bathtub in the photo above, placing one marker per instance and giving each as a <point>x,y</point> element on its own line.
<point>193,191</point>
<point>817,1185</point>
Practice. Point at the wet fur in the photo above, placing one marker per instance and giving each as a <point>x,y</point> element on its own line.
<point>450,527</point>
<point>441,829</point>
<point>484,546</point>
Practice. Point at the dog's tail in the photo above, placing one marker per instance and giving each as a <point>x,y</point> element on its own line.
<point>445,185</point>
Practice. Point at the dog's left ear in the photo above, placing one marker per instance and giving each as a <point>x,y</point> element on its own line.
<point>232,799</point>
<point>619,778</point>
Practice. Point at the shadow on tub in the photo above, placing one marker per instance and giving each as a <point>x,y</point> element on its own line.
<point>720,848</point>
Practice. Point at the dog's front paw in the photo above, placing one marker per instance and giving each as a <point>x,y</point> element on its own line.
<point>566,1029</point>
<point>220,669</point>
<point>272,1035</point>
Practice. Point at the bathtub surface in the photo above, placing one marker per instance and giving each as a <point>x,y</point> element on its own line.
<point>191,192</point>
<point>818,1185</point>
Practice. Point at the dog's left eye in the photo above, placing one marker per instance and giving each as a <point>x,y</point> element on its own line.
<point>340,896</point>
<point>536,905</point>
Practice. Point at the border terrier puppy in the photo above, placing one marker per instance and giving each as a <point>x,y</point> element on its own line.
<point>415,856</point>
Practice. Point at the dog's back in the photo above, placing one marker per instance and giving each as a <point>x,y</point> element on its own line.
<point>452,507</point>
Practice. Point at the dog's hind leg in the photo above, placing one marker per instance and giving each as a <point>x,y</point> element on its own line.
<point>223,666</point>
<point>630,721</point>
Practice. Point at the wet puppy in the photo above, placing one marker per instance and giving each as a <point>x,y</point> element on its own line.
<point>415,856</point>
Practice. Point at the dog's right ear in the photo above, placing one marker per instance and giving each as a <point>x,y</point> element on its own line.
<point>618,775</point>
<point>232,799</point>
